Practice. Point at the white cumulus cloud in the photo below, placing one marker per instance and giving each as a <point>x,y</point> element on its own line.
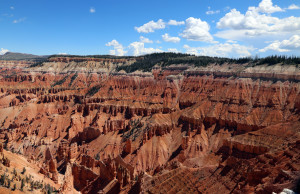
<point>151,26</point>
<point>138,48</point>
<point>168,38</point>
<point>266,6</point>
<point>197,30</point>
<point>221,50</point>
<point>3,51</point>
<point>118,48</point>
<point>233,19</point>
<point>145,40</point>
<point>293,7</point>
<point>175,23</point>
<point>284,46</point>
<point>255,22</point>
<point>173,50</point>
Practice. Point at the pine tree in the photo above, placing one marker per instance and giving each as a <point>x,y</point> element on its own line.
<point>22,184</point>
<point>8,183</point>
<point>24,170</point>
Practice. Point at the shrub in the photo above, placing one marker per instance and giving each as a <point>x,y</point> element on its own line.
<point>15,172</point>
<point>8,183</point>
<point>97,156</point>
<point>93,90</point>
<point>24,170</point>
<point>22,184</point>
<point>14,187</point>
<point>73,78</point>
<point>2,179</point>
<point>60,82</point>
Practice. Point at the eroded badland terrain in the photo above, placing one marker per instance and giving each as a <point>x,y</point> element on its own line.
<point>82,124</point>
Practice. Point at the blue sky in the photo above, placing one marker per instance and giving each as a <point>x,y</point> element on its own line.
<point>136,27</point>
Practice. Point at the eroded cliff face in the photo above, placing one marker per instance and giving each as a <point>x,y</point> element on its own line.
<point>80,64</point>
<point>160,132</point>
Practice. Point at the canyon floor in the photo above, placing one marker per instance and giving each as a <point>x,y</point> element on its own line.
<point>85,125</point>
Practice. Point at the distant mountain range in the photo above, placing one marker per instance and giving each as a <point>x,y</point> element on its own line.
<point>22,56</point>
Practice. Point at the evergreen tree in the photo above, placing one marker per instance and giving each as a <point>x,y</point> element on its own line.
<point>22,184</point>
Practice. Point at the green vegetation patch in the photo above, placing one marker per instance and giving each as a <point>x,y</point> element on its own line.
<point>147,62</point>
<point>93,90</point>
<point>274,59</point>
<point>72,79</point>
<point>60,82</point>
